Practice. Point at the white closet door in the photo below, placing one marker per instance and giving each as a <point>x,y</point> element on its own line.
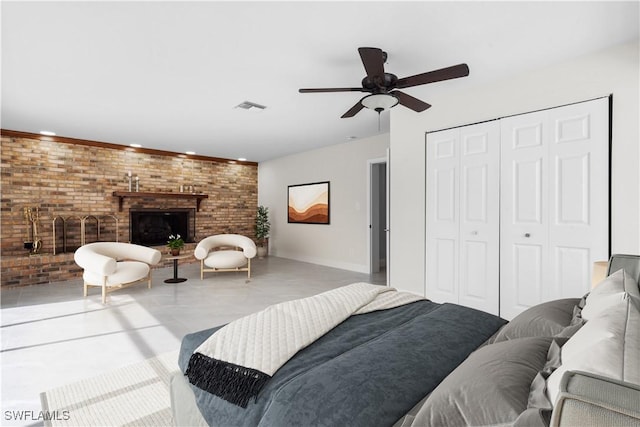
<point>442,227</point>
<point>578,198</point>
<point>554,198</point>
<point>523,269</point>
<point>480,216</point>
<point>463,216</point>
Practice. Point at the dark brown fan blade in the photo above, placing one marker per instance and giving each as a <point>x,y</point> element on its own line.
<point>353,111</point>
<point>460,70</point>
<point>410,102</point>
<point>373,61</point>
<point>334,89</point>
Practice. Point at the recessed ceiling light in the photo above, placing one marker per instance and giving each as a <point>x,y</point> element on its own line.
<point>47,133</point>
<point>190,152</point>
<point>135,145</point>
<point>242,159</point>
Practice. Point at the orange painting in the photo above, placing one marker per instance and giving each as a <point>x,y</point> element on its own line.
<point>309,203</point>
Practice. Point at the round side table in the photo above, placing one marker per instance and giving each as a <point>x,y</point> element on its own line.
<point>175,258</point>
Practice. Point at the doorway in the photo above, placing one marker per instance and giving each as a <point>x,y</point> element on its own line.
<point>378,220</point>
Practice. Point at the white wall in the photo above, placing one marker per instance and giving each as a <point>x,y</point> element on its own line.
<point>614,71</point>
<point>343,243</point>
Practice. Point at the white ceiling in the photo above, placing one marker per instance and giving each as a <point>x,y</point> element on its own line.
<point>168,75</point>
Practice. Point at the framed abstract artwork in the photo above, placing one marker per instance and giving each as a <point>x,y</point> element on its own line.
<point>308,203</point>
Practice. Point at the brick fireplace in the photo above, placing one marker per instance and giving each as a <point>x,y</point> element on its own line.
<point>67,177</point>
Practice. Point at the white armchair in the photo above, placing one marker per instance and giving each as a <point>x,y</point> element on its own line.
<point>115,265</point>
<point>225,252</point>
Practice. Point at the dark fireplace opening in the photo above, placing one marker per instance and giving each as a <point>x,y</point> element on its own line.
<point>152,227</point>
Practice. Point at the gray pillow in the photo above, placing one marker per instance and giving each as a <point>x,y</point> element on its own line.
<point>491,386</point>
<point>543,320</point>
<point>538,412</point>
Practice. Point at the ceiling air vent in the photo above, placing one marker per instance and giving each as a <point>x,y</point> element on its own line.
<point>247,105</point>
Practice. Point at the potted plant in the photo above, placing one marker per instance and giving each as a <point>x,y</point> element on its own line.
<point>175,243</point>
<point>262,228</point>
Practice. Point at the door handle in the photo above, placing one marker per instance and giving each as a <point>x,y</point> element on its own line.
<point>527,235</point>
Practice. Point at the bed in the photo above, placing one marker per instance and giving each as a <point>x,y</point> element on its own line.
<point>424,364</point>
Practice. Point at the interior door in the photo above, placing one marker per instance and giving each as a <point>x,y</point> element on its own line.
<point>524,188</point>
<point>442,216</point>
<point>376,226</point>
<point>378,209</point>
<point>480,216</point>
<point>378,184</point>
<point>463,179</point>
<point>387,220</point>
<point>554,203</point>
<point>578,205</point>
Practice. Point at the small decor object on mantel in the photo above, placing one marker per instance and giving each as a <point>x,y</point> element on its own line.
<point>175,243</point>
<point>130,178</point>
<point>262,228</point>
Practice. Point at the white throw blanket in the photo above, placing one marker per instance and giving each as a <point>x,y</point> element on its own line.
<point>238,359</point>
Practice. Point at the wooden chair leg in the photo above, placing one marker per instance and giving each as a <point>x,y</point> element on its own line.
<point>249,269</point>
<point>104,291</point>
<point>149,277</point>
<point>85,289</point>
<point>201,269</point>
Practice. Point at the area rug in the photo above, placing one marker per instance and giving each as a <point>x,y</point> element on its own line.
<point>136,395</point>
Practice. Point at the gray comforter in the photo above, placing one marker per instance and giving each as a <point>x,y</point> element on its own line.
<point>368,371</point>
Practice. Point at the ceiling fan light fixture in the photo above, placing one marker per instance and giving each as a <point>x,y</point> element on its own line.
<point>379,101</point>
<point>383,85</point>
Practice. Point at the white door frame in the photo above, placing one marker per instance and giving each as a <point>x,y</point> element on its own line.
<point>370,164</point>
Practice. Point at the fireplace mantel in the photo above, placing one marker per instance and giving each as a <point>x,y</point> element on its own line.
<point>198,196</point>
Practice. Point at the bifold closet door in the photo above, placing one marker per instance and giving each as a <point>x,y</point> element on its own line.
<point>463,216</point>
<point>554,203</point>
<point>442,215</point>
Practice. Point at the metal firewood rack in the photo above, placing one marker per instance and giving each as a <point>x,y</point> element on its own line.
<point>82,220</point>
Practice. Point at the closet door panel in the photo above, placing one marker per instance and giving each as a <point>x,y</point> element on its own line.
<point>572,268</point>
<point>442,216</point>
<point>445,269</point>
<point>480,216</point>
<point>527,274</point>
<point>554,203</point>
<point>523,204</point>
<point>578,226</point>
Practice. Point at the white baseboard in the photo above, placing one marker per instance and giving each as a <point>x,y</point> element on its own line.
<point>358,268</point>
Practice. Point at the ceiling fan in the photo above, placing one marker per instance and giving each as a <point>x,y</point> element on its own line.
<point>383,86</point>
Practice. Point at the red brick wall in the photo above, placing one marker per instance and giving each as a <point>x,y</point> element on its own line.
<point>66,179</point>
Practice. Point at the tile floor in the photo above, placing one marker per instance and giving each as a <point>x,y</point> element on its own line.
<point>52,336</point>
